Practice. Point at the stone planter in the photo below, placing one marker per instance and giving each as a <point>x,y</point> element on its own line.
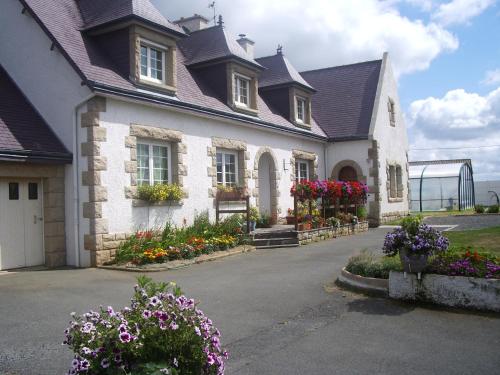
<point>454,291</point>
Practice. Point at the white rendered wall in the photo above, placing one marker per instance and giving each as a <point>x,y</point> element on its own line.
<point>197,132</point>
<point>393,141</point>
<point>49,83</point>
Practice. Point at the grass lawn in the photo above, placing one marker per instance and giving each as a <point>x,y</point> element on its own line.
<point>433,213</point>
<point>487,239</point>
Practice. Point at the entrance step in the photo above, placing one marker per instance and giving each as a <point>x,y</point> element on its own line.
<point>275,239</point>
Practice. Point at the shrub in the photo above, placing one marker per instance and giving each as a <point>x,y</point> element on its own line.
<point>479,208</point>
<point>333,222</point>
<point>368,265</point>
<point>162,332</point>
<point>361,212</point>
<point>160,192</point>
<point>494,209</point>
<point>254,214</point>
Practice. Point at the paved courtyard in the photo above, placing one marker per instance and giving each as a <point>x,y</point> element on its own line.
<point>278,310</point>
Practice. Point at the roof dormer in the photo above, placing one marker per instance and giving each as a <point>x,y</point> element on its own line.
<point>282,86</point>
<point>137,38</point>
<point>226,66</point>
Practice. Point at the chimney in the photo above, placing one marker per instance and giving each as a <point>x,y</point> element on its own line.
<point>193,23</point>
<point>247,44</point>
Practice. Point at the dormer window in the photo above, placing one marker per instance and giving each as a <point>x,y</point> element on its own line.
<point>153,63</point>
<point>300,109</point>
<point>241,89</point>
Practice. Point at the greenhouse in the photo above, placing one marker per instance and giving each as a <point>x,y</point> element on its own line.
<point>441,185</point>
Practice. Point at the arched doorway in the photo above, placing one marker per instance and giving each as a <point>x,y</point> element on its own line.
<point>348,170</point>
<point>266,169</point>
<point>348,173</point>
<point>266,180</point>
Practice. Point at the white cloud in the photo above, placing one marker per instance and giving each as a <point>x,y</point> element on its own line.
<point>327,33</point>
<point>460,11</point>
<point>492,77</point>
<point>462,120</point>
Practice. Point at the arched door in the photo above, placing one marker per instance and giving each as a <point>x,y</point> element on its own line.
<point>348,173</point>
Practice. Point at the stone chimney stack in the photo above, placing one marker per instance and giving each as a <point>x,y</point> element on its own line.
<point>247,44</point>
<point>193,23</point>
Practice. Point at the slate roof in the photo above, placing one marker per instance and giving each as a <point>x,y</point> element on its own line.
<point>279,71</point>
<point>343,103</point>
<point>213,43</point>
<point>98,13</point>
<point>23,132</point>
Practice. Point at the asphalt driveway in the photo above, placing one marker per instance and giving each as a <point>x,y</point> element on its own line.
<point>465,222</point>
<point>278,310</point>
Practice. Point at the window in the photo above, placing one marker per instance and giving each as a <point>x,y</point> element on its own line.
<point>300,105</point>
<point>13,191</point>
<point>227,168</point>
<point>301,170</point>
<point>32,191</point>
<point>153,164</point>
<point>241,89</point>
<point>152,63</point>
<point>392,182</point>
<point>392,112</point>
<point>399,182</point>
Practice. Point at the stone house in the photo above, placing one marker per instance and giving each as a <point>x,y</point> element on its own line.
<point>99,97</point>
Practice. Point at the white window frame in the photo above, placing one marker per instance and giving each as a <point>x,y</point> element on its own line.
<point>150,45</point>
<point>303,100</point>
<point>236,161</point>
<point>298,163</point>
<point>150,145</point>
<point>237,78</point>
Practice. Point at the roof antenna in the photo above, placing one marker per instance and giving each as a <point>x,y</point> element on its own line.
<point>212,5</point>
<point>221,22</point>
<point>279,50</point>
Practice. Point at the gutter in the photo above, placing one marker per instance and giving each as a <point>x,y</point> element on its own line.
<point>109,90</point>
<point>36,156</point>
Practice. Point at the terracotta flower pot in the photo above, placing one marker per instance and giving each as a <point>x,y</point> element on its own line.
<point>290,220</point>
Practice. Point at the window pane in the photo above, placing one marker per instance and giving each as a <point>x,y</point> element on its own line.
<point>160,164</point>
<point>144,61</point>
<point>32,191</point>
<point>244,91</point>
<point>142,164</point>
<point>13,191</point>
<point>156,64</point>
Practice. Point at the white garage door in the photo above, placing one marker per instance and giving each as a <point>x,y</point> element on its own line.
<point>21,223</point>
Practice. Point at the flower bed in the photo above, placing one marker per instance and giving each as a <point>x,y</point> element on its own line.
<point>171,243</point>
<point>162,332</point>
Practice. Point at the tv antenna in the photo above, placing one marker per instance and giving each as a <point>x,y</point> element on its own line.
<point>212,5</point>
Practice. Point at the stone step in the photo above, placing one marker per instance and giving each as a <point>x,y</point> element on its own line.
<point>274,234</point>
<point>276,246</point>
<point>275,241</point>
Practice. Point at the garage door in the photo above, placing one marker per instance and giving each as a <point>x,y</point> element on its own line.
<point>21,223</point>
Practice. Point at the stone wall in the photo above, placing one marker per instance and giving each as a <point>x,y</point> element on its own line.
<point>52,177</point>
<point>320,234</point>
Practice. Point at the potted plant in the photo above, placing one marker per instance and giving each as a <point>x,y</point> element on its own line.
<point>414,242</point>
<point>230,193</point>
<point>254,217</point>
<point>264,221</point>
<point>290,218</point>
<point>333,222</point>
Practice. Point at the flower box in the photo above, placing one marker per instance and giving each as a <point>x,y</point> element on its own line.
<point>238,194</point>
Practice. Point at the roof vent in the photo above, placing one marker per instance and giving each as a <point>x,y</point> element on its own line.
<point>193,23</point>
<point>247,44</point>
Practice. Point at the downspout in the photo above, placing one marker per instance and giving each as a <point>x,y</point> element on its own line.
<point>325,159</point>
<point>77,179</point>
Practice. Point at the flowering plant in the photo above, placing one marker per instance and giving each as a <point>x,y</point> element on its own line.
<point>469,263</point>
<point>425,241</point>
<point>163,332</point>
<point>347,191</point>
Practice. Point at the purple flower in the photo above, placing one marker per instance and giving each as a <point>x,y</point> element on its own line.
<point>125,337</point>
<point>146,314</point>
<point>105,363</point>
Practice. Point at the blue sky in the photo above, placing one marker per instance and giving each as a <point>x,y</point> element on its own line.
<point>445,54</point>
